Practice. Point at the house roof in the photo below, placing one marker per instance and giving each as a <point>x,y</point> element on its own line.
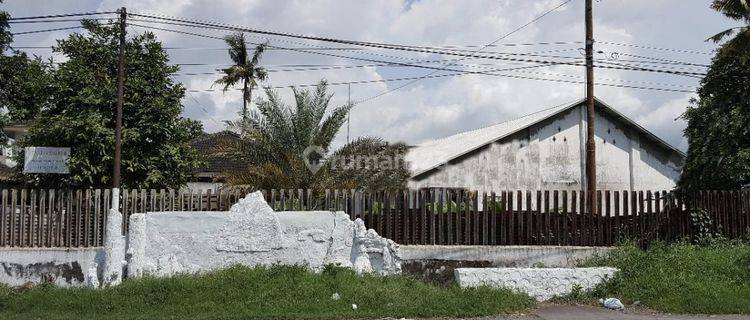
<point>431,154</point>
<point>211,146</point>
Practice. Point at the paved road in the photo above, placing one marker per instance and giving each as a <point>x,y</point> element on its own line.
<point>554,312</point>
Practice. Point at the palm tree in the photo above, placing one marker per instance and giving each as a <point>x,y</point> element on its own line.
<point>277,144</point>
<point>738,10</point>
<point>245,69</point>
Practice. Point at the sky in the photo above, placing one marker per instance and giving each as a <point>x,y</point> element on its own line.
<point>642,30</point>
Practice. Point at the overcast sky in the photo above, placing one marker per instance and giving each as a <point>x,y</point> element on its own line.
<point>432,108</point>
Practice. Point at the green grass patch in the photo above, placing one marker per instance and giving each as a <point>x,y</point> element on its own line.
<point>678,278</point>
<point>263,292</point>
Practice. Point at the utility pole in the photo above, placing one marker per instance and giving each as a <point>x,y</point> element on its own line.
<point>590,138</point>
<point>348,114</point>
<point>118,117</point>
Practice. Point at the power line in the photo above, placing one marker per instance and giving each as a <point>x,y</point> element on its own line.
<point>46,30</point>
<point>542,62</point>
<point>404,48</point>
<point>62,15</point>
<point>478,50</point>
<point>654,48</point>
<point>60,20</point>
<point>358,50</point>
<point>457,74</point>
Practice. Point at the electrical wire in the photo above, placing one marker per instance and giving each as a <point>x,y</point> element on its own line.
<point>545,62</point>
<point>62,15</point>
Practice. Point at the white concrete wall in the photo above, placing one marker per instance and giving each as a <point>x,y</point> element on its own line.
<point>547,156</point>
<point>540,283</point>
<point>63,267</point>
<point>167,243</point>
<point>505,256</point>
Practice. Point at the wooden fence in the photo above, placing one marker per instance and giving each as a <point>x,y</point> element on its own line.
<point>76,218</point>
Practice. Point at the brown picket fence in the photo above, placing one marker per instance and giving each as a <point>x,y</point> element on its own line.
<point>76,218</point>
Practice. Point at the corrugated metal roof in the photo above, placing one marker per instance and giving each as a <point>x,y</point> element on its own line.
<point>431,154</point>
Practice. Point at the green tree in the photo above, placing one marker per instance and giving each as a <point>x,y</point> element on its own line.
<point>24,81</point>
<point>5,37</point>
<point>718,121</point>
<point>281,142</point>
<point>155,138</point>
<point>246,69</point>
<point>718,128</point>
<point>739,44</point>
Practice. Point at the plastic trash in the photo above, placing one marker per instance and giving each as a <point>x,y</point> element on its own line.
<point>612,303</point>
<point>335,296</point>
<point>354,306</point>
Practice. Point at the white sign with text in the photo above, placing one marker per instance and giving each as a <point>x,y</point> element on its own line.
<point>46,160</point>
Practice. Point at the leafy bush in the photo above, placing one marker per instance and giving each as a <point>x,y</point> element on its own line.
<point>680,278</point>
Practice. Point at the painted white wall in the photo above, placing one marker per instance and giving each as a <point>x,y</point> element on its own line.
<point>547,156</point>
<point>72,267</point>
<point>540,283</point>
<point>251,233</point>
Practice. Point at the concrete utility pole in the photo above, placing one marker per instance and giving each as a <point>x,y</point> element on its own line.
<point>590,135</point>
<point>118,117</point>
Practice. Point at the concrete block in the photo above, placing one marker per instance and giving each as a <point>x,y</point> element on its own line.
<point>540,283</point>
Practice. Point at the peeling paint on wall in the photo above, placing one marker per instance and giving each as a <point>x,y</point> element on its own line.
<point>547,156</point>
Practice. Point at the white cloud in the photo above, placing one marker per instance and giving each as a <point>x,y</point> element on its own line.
<point>433,108</point>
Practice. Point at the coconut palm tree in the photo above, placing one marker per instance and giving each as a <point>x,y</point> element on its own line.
<point>739,44</point>
<point>281,143</point>
<point>245,70</point>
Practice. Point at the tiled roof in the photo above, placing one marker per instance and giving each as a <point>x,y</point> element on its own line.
<point>431,154</point>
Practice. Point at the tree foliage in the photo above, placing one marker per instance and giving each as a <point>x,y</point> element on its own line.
<point>739,44</point>
<point>718,128</point>
<point>245,70</point>
<point>5,37</point>
<point>23,81</point>
<point>155,138</point>
<point>276,141</point>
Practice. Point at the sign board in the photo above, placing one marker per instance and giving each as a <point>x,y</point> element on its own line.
<point>46,160</point>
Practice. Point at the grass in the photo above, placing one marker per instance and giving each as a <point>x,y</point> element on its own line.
<point>263,292</point>
<point>678,278</point>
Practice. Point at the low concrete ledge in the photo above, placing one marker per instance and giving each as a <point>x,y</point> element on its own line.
<point>505,256</point>
<point>540,283</point>
<point>69,267</point>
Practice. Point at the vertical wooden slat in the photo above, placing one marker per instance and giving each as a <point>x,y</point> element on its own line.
<point>105,213</point>
<point>41,218</point>
<point>538,219</point>
<point>511,221</point>
<point>618,217</point>
<point>599,213</point>
<point>493,219</point>
<point>485,219</point>
<point>468,218</point>
<point>520,219</point>
<point>23,214</point>
<point>13,214</point>
<point>574,214</point>
<point>59,218</point>
<point>565,237</point>
<point>427,226</point>
<point>97,215</point>
<point>69,218</point>
<point>4,224</point>
<point>502,217</point>
<point>87,223</point>
<point>555,218</point>
<point>440,216</point>
<point>546,219</point>
<point>591,216</point>
<point>608,221</point>
<point>460,203</point>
